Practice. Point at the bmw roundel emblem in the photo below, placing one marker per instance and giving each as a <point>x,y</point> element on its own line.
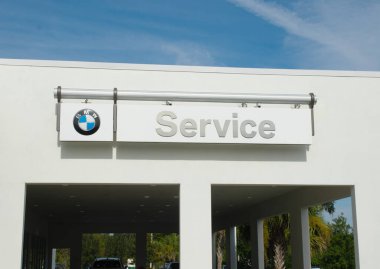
<point>86,122</point>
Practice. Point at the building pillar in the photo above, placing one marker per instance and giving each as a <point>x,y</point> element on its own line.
<point>52,255</point>
<point>231,243</point>
<point>141,250</point>
<point>354,228</point>
<point>300,238</point>
<point>195,225</point>
<point>12,199</point>
<point>214,250</point>
<point>257,243</point>
<point>76,251</point>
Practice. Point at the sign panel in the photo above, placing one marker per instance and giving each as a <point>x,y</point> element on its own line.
<point>200,124</point>
<point>86,122</point>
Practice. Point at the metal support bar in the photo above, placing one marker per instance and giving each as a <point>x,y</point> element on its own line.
<point>114,96</point>
<point>58,116</point>
<point>311,105</point>
<point>58,94</point>
<point>303,99</point>
<point>58,107</point>
<point>114,110</point>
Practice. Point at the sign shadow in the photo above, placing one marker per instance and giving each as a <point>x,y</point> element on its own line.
<point>218,152</point>
<point>86,150</point>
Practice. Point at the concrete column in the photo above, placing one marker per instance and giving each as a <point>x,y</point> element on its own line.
<point>355,230</point>
<point>231,243</point>
<point>52,257</point>
<point>141,250</point>
<point>300,238</point>
<point>257,243</point>
<point>213,250</point>
<point>195,225</point>
<point>51,251</point>
<point>12,199</point>
<point>76,251</point>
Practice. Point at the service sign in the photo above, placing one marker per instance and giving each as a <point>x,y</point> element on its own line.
<point>201,124</point>
<point>86,122</point>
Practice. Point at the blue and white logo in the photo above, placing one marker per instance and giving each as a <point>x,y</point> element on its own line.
<point>86,122</point>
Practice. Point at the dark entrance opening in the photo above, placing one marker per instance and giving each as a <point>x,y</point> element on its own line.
<point>58,215</point>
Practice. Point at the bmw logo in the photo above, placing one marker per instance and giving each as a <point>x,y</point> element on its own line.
<point>86,122</point>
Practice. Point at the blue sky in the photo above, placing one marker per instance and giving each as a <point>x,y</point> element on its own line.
<point>313,34</point>
<point>342,206</point>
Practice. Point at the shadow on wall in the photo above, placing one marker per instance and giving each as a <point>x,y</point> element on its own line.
<point>219,152</point>
<point>182,151</point>
<point>86,150</point>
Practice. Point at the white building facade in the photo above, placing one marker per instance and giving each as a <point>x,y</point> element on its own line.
<point>202,186</point>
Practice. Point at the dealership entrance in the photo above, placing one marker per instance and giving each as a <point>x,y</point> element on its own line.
<point>250,205</point>
<point>58,215</point>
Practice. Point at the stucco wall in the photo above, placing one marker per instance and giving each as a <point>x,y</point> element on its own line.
<point>345,149</point>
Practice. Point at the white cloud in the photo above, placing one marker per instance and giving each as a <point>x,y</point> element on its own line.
<point>126,46</point>
<point>187,53</point>
<point>339,34</point>
<point>161,50</point>
<point>166,51</point>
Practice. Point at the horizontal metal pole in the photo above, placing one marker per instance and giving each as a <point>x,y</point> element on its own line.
<point>306,99</point>
<point>84,94</point>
